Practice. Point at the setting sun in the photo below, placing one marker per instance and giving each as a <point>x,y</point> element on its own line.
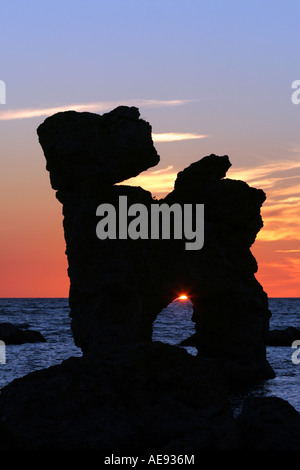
<point>183,297</point>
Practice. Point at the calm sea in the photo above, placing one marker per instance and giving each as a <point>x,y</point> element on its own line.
<point>173,324</point>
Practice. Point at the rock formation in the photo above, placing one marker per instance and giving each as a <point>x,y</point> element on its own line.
<point>231,312</point>
<point>136,403</point>
<point>127,393</point>
<point>268,423</point>
<point>118,287</point>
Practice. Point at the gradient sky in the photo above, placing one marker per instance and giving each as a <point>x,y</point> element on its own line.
<point>210,77</point>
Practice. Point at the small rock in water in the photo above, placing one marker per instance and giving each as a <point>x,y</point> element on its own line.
<point>283,337</point>
<point>12,334</point>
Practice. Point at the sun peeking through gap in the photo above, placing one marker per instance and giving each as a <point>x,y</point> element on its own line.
<point>182,297</point>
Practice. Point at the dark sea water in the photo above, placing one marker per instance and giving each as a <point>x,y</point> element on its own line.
<point>173,324</point>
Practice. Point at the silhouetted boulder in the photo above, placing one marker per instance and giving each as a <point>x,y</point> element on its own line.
<point>284,337</point>
<point>12,334</point>
<point>268,423</point>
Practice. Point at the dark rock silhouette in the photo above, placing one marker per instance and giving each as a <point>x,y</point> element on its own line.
<point>13,334</point>
<point>127,393</point>
<point>284,337</point>
<point>86,146</point>
<point>268,423</point>
<point>118,287</point>
<point>231,312</point>
<point>137,402</point>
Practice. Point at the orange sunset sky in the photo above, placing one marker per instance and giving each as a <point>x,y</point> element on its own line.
<point>209,77</point>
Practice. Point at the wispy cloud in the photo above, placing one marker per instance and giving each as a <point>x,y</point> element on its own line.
<point>101,106</point>
<point>162,170</point>
<point>176,136</point>
<point>263,172</point>
<point>283,191</point>
<point>288,251</point>
<point>282,207</point>
<point>277,243</point>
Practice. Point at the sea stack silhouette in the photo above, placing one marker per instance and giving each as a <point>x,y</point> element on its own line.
<point>126,391</point>
<point>118,287</point>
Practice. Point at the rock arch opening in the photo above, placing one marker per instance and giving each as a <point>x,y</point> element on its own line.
<point>174,323</point>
